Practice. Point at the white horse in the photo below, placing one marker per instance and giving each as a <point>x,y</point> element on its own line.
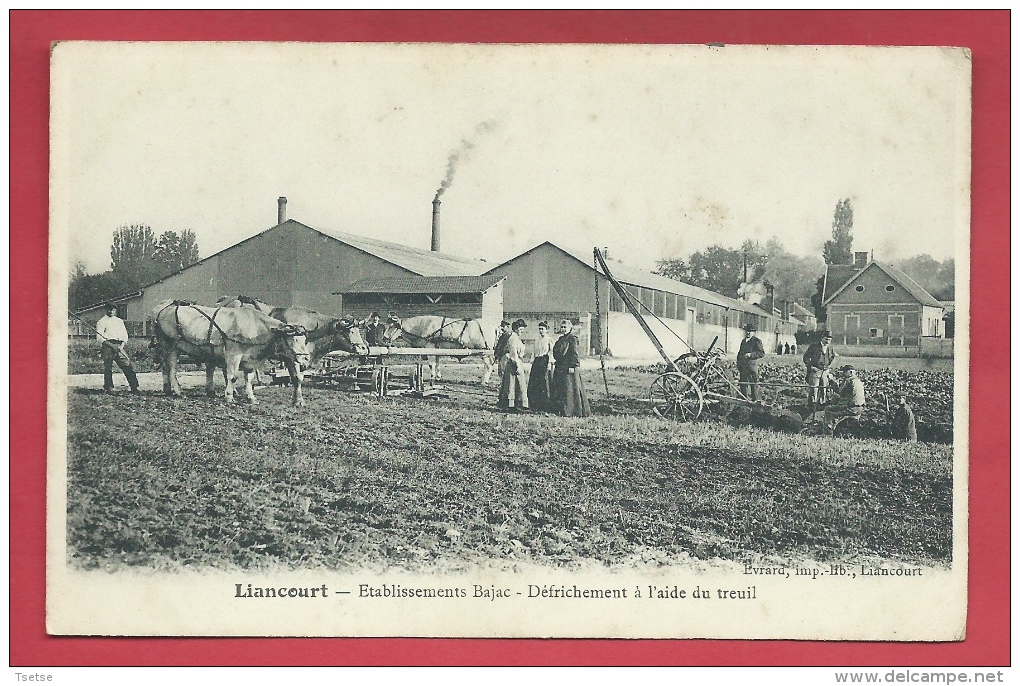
<point>436,331</point>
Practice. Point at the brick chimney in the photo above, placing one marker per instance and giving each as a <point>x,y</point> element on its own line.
<point>435,224</point>
<point>860,259</point>
<point>281,213</point>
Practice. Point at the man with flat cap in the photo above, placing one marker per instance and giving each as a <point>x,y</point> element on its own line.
<point>112,336</point>
<point>751,350</point>
<point>818,357</point>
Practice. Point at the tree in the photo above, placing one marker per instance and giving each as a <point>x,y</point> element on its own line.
<point>137,257</point>
<point>840,249</point>
<point>816,299</point>
<point>89,289</point>
<point>938,278</point>
<point>721,269</point>
<point>674,269</point>
<point>718,269</point>
<point>756,257</point>
<point>793,277</point>
<point>133,255</point>
<point>715,268</point>
<point>175,252</point>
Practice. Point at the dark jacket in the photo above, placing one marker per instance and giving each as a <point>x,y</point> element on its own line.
<point>818,358</point>
<point>565,352</point>
<point>903,423</point>
<point>374,334</point>
<point>502,345</point>
<point>751,350</point>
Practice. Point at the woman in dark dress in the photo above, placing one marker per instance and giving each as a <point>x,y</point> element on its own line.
<point>539,381</point>
<point>568,396</point>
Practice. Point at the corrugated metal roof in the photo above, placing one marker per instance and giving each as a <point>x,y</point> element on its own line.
<point>424,284</point>
<point>101,303</point>
<point>423,262</point>
<point>632,276</point>
<point>639,277</point>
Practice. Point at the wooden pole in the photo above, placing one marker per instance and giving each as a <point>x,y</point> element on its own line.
<point>632,308</point>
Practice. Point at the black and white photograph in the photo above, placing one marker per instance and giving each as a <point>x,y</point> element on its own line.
<point>450,340</point>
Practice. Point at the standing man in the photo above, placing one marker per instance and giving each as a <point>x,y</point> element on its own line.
<point>374,330</point>
<point>499,350</point>
<point>112,336</point>
<point>818,358</point>
<point>903,424</point>
<point>751,350</point>
<point>513,371</point>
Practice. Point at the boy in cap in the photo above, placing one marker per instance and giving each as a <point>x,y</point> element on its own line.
<point>112,336</point>
<point>903,424</point>
<point>851,399</point>
<point>751,350</point>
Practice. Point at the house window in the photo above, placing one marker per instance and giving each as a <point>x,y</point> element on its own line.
<point>859,289</point>
<point>875,333</point>
<point>890,288</point>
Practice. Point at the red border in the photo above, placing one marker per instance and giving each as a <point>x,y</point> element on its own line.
<point>986,33</point>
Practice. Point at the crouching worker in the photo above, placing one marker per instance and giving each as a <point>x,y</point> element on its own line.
<point>850,402</point>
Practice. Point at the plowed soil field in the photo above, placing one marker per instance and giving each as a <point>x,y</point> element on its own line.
<point>446,483</point>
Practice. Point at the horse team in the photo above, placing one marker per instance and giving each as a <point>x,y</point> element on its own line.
<point>241,335</point>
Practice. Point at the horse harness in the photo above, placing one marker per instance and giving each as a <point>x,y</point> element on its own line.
<point>177,305</point>
<point>437,335</point>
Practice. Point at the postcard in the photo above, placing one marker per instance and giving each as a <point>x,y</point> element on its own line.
<point>450,340</point>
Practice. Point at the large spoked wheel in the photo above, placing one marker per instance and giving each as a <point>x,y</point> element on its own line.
<point>676,396</point>
<point>709,376</point>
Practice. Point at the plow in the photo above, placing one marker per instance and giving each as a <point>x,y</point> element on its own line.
<point>696,383</point>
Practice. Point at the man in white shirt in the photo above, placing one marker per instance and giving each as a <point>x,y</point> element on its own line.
<point>112,335</point>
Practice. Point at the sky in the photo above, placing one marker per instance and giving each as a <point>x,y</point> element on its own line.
<point>652,151</point>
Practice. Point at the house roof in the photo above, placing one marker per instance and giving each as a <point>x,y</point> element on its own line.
<point>914,288</point>
<point>632,276</point>
<point>836,276</point>
<point>799,310</point>
<point>908,284</point>
<point>424,284</point>
<point>417,260</point>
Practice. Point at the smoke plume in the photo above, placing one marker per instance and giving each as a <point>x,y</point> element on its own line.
<point>487,126</point>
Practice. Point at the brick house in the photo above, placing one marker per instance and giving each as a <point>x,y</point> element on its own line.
<point>876,305</point>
